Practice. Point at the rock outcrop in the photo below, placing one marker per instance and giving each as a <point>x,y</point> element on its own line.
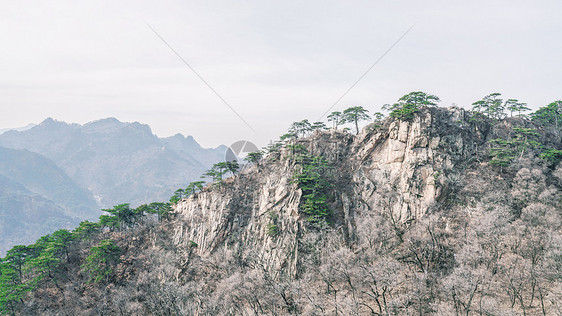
<point>400,167</point>
<point>406,218</point>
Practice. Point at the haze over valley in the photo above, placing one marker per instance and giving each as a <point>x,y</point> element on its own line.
<point>71,171</point>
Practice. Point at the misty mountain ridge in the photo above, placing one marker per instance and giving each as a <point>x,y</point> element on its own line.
<point>71,171</point>
<point>22,128</point>
<point>25,215</point>
<point>117,161</point>
<point>42,176</point>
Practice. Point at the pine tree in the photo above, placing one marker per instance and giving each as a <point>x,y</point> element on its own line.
<point>355,115</point>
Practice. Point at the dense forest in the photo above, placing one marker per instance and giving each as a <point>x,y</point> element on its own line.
<point>427,211</point>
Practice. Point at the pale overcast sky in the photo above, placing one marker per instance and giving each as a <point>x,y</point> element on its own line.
<point>274,62</point>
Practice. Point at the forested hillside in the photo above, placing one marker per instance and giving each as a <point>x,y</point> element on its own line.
<point>430,211</point>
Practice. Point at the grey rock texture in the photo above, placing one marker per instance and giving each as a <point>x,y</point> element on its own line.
<point>401,166</point>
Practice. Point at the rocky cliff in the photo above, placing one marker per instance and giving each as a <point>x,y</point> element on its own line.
<point>410,217</point>
<point>401,166</point>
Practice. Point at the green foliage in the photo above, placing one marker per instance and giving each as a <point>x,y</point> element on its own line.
<point>314,178</point>
<point>526,138</point>
<point>194,187</point>
<point>513,105</point>
<point>101,261</point>
<point>61,240</point>
<point>274,147</point>
<point>318,125</point>
<point>220,169</point>
<point>300,128</point>
<point>503,151</point>
<point>85,230</point>
<point>231,166</point>
<point>336,117</point>
<point>121,216</point>
<point>287,136</point>
<point>12,290</point>
<point>377,122</point>
<point>13,286</point>
<point>477,117</point>
<point>411,103</point>
<point>112,222</point>
<point>316,206</point>
<point>491,106</point>
<point>419,99</point>
<point>215,173</point>
<point>49,252</point>
<point>254,157</point>
<point>354,115</point>
<point>272,230</point>
<point>177,196</point>
<point>550,115</point>
<point>17,257</point>
<point>26,267</point>
<point>45,263</point>
<point>378,117</point>
<point>553,156</point>
<point>159,208</point>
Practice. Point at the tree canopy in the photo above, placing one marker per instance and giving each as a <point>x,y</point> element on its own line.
<point>101,261</point>
<point>336,118</point>
<point>354,115</point>
<point>220,169</point>
<point>549,115</point>
<point>300,128</point>
<point>318,125</point>
<point>410,104</point>
<point>254,157</point>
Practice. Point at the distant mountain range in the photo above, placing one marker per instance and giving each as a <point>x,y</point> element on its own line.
<point>23,128</point>
<point>64,173</point>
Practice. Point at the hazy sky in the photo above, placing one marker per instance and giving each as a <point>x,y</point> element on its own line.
<point>275,62</point>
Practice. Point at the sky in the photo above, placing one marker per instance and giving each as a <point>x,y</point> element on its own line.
<point>273,62</point>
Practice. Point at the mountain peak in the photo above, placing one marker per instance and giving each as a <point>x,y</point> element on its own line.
<point>182,139</point>
<point>110,121</point>
<point>50,122</point>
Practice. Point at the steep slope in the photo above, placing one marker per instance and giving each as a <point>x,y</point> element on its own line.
<point>26,216</point>
<point>40,175</point>
<point>414,201</point>
<point>401,167</point>
<point>418,221</point>
<point>38,198</point>
<point>118,162</point>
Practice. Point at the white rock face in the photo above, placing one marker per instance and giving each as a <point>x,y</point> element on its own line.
<point>399,168</point>
<point>403,158</point>
<point>246,210</point>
